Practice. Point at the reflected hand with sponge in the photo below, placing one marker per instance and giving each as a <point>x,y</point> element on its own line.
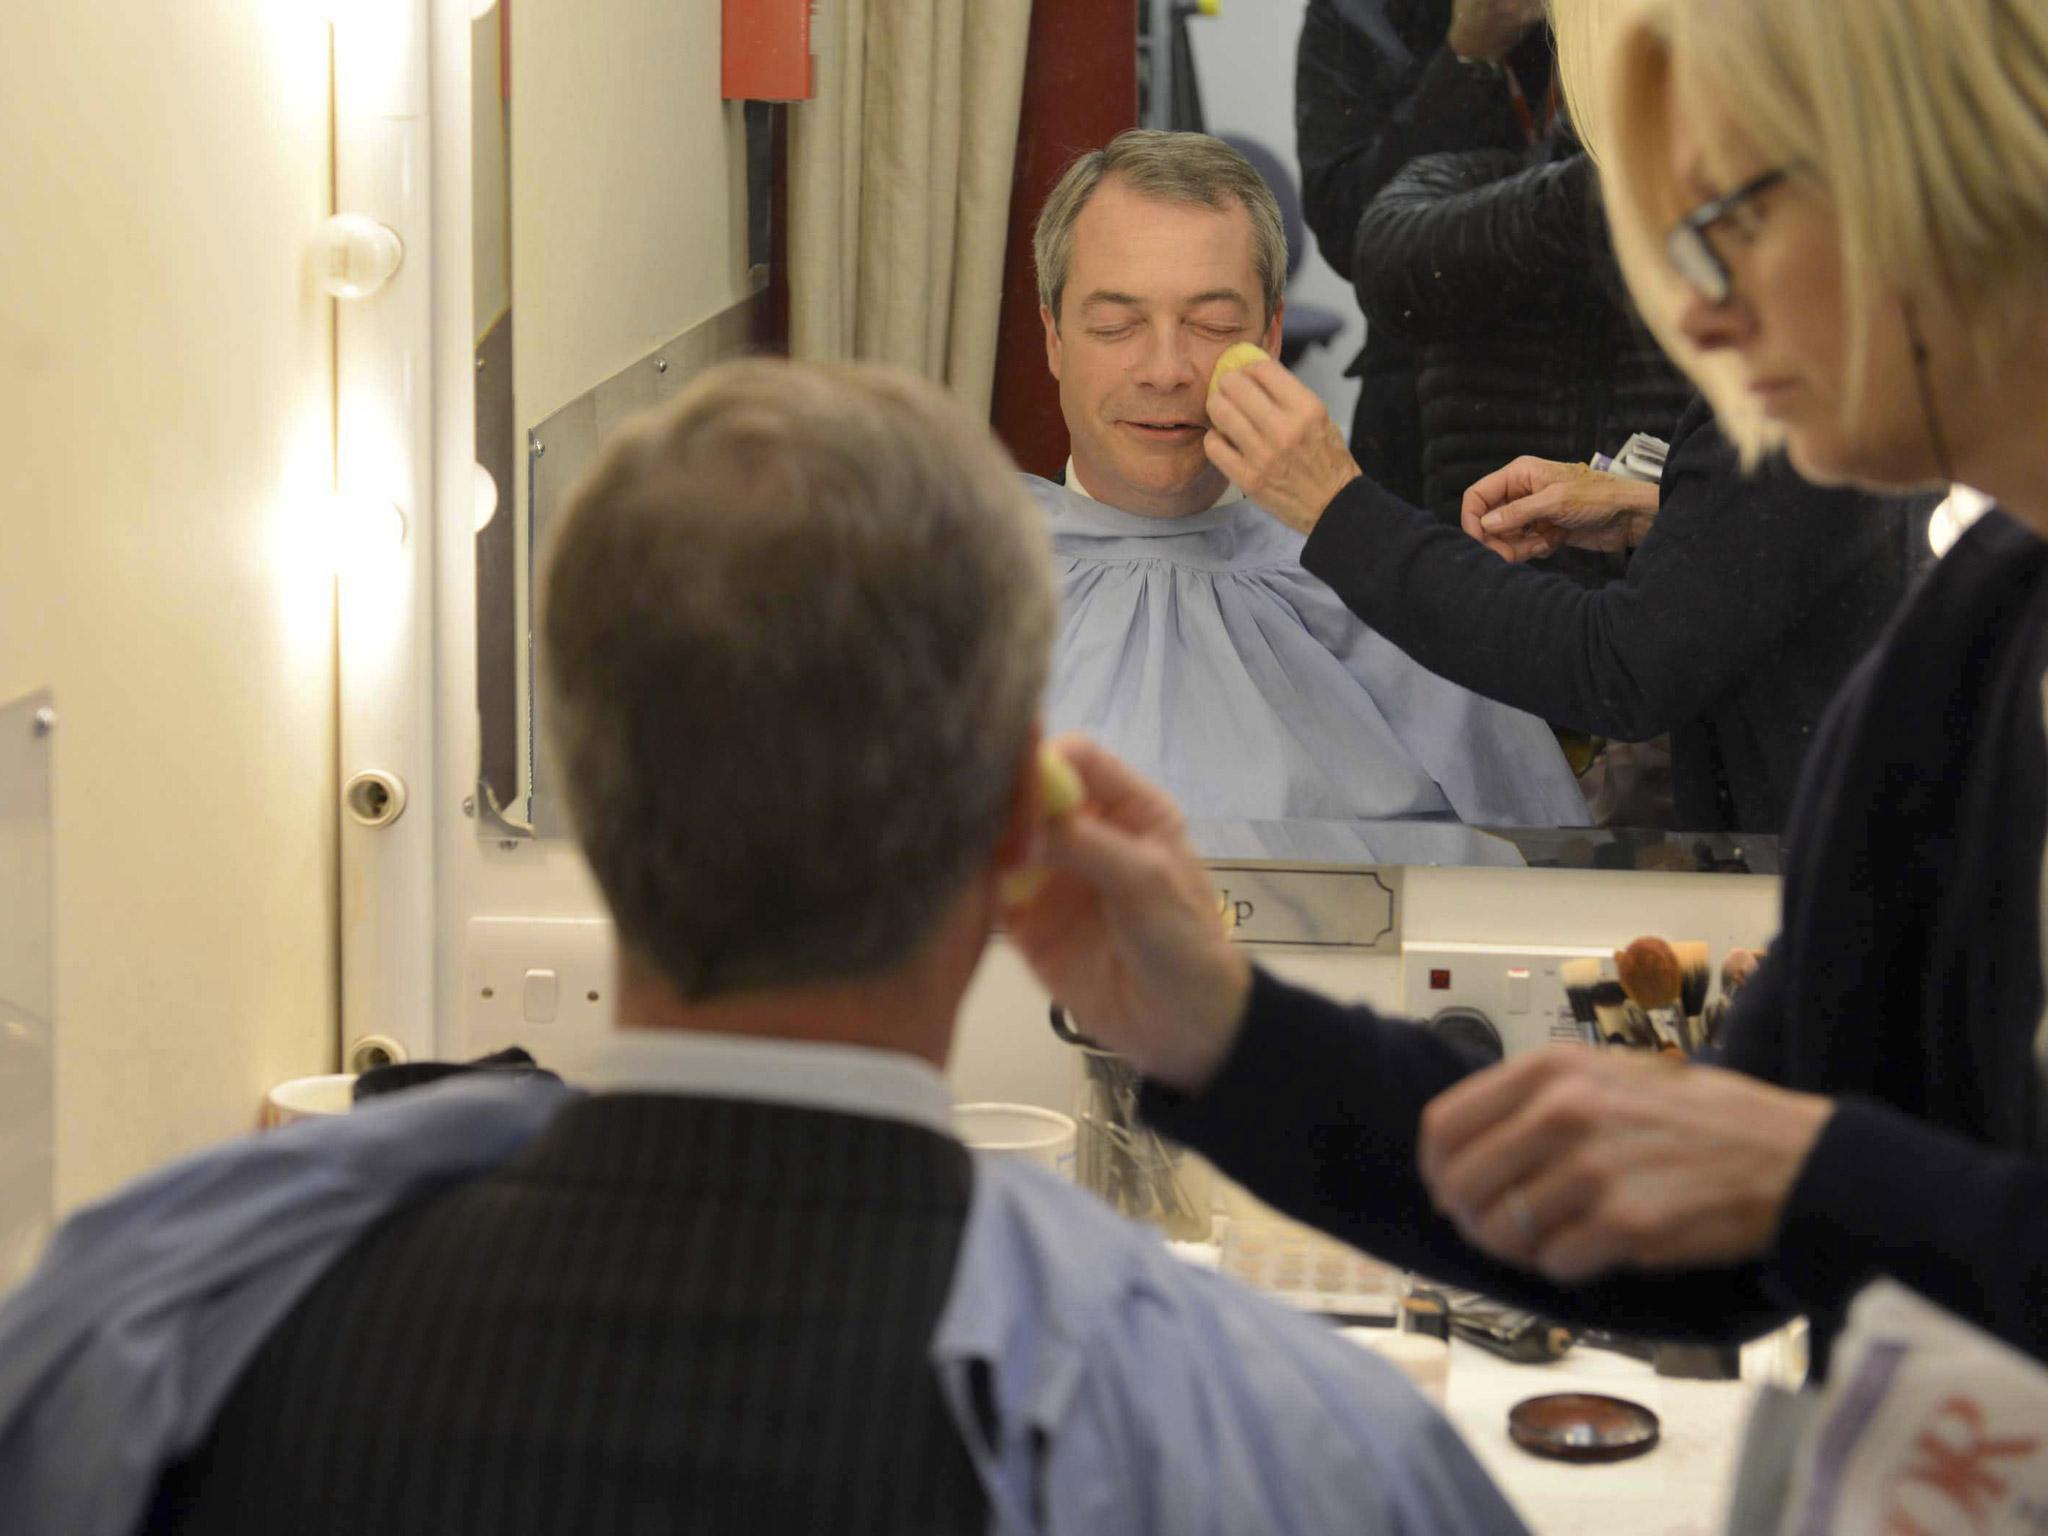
<point>1270,433</point>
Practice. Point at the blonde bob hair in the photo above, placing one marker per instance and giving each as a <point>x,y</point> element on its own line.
<point>1583,32</point>
<point>1923,122</point>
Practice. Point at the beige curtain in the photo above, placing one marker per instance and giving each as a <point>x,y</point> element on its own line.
<point>900,175</point>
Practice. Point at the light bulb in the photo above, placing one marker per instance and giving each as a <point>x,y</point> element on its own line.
<point>354,255</point>
<point>1953,517</point>
<point>342,13</point>
<point>364,529</point>
<point>486,493</point>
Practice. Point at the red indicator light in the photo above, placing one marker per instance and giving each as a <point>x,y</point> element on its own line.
<point>1439,981</point>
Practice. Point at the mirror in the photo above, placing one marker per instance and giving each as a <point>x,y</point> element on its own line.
<point>620,237</point>
<point>621,208</point>
<point>502,710</point>
<point>27,1003</point>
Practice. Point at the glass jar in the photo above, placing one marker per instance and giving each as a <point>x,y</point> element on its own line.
<point>1129,1164</point>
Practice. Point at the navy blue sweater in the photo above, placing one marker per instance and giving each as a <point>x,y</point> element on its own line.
<point>1906,981</point>
<point>1750,600</point>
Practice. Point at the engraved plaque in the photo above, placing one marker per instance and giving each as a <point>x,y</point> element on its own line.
<point>1319,906</point>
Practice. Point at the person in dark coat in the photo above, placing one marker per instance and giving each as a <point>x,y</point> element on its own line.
<point>1740,611</point>
<point>1378,83</point>
<point>1495,266</point>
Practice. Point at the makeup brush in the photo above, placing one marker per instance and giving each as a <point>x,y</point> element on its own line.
<point>1651,976</point>
<point>1652,1031</point>
<point>1692,990</point>
<point>1712,1022</point>
<point>1612,1009</point>
<point>1580,978</point>
<point>1736,969</point>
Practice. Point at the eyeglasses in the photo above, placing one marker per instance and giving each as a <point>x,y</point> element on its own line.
<point>1692,252</point>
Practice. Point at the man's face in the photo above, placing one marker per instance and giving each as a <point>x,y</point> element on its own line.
<point>1155,291</point>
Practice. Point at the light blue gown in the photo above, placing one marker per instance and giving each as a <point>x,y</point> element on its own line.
<point>1198,650</point>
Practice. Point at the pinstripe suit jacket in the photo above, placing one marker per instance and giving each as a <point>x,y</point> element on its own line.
<point>670,1314</point>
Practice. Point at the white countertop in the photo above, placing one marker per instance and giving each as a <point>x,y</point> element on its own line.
<point>1678,1488</point>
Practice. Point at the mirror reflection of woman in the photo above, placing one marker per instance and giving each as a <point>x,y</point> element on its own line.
<point>1838,217</point>
<point>1741,604</point>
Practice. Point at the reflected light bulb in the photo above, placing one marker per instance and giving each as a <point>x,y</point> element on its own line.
<point>486,503</point>
<point>1952,519</point>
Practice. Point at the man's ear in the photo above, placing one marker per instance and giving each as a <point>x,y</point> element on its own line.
<point>1024,821</point>
<point>1052,339</point>
<point>1271,340</point>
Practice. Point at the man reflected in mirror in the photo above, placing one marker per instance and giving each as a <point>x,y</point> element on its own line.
<point>1191,640</point>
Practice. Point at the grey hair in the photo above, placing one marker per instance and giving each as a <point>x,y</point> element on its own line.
<point>1173,168</point>
<point>796,627</point>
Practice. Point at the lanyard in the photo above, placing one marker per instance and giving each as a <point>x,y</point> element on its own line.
<point>1532,130</point>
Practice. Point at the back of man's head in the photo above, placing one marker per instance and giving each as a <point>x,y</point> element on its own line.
<point>796,630</point>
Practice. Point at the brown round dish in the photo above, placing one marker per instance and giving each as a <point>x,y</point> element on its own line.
<point>1582,1426</point>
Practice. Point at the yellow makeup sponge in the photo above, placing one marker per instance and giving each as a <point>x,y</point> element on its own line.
<point>1242,355</point>
<point>1058,785</point>
<point>1062,792</point>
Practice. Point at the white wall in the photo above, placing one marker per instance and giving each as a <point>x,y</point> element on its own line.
<point>1244,64</point>
<point>166,389</point>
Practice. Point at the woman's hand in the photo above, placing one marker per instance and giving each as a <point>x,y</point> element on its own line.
<point>1491,29</point>
<point>1127,934</point>
<point>1535,507</point>
<point>1270,434</point>
<point>1575,1162</point>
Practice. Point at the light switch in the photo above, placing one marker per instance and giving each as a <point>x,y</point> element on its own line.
<point>543,996</point>
<point>1518,989</point>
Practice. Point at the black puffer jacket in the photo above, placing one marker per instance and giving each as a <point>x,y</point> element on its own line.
<point>1375,87</point>
<point>1500,272</point>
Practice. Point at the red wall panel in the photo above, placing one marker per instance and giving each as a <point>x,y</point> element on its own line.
<point>1080,91</point>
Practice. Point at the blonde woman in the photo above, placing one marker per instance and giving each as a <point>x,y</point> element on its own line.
<point>1838,217</point>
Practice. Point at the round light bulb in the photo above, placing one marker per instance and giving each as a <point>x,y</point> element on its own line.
<point>354,255</point>
<point>342,13</point>
<point>486,494</point>
<point>1952,519</point>
<point>364,529</point>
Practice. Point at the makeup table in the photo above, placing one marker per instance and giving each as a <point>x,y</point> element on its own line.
<point>1678,1488</point>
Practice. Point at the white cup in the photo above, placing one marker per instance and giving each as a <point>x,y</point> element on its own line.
<point>303,1098</point>
<point>1042,1136</point>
